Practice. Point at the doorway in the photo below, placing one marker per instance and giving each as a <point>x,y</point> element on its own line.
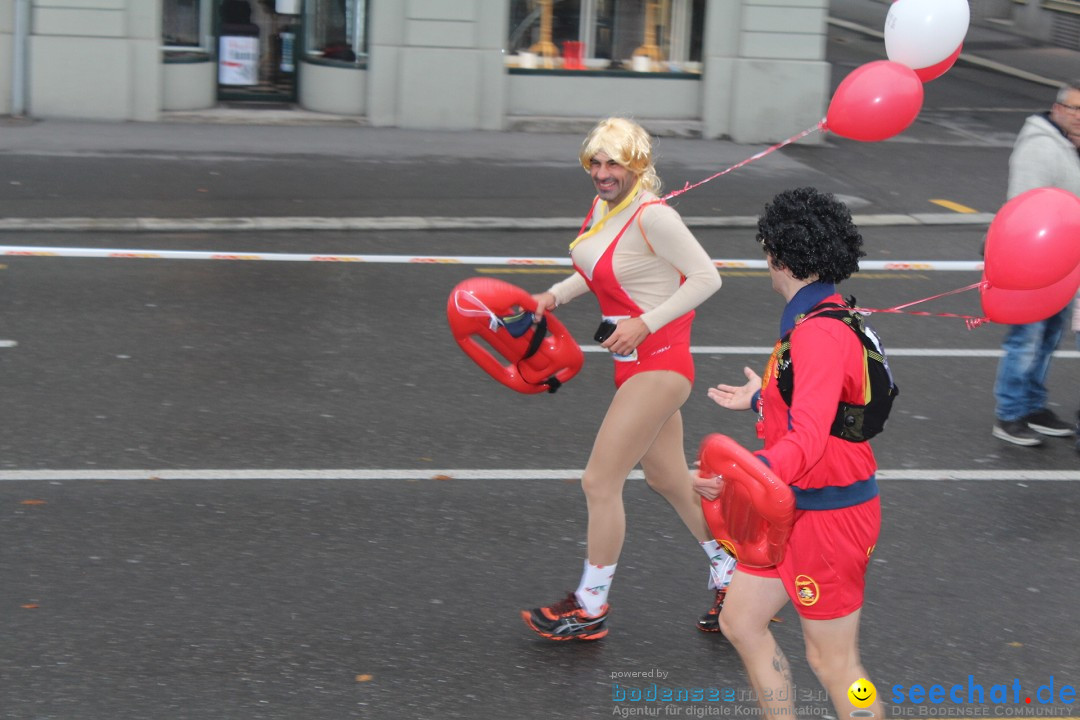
<point>257,50</point>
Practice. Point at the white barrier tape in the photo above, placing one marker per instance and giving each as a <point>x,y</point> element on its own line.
<point>136,254</point>
<point>406,222</point>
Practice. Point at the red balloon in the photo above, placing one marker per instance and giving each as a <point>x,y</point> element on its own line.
<point>1018,307</point>
<point>933,72</point>
<point>875,101</point>
<point>1034,240</point>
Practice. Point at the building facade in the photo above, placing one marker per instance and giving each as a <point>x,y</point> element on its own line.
<point>749,70</point>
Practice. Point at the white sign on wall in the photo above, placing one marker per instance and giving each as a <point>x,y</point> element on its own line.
<point>288,7</point>
<point>238,60</point>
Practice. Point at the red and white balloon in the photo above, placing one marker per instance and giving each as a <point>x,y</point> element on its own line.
<point>926,35</point>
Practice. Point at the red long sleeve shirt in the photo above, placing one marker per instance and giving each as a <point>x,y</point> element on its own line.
<point>828,362</point>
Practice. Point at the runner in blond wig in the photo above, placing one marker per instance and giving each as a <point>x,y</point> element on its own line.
<point>626,143</point>
<point>648,273</point>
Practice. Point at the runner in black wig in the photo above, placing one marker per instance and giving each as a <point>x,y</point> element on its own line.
<point>811,234</point>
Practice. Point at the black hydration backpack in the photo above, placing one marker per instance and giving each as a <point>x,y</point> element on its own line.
<point>854,423</point>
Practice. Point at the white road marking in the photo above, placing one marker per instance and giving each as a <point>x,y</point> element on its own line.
<point>449,474</point>
<point>891,351</point>
<point>8,343</point>
<point>466,474</point>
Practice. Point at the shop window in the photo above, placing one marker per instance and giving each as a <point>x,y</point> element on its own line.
<point>618,35</point>
<point>336,30</point>
<point>185,26</point>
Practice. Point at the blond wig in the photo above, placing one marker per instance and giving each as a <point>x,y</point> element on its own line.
<point>625,142</point>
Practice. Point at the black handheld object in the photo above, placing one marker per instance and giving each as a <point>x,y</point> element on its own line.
<point>604,331</point>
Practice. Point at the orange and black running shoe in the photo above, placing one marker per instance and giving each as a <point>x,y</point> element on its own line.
<point>566,620</point>
<point>710,621</point>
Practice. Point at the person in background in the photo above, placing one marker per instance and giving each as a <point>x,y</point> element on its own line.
<point>1046,154</point>
<point>1076,329</point>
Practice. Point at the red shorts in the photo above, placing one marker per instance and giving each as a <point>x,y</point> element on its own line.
<point>666,349</point>
<point>824,568</point>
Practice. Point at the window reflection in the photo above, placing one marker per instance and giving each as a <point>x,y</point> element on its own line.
<point>336,30</point>
<point>635,35</point>
<point>182,24</point>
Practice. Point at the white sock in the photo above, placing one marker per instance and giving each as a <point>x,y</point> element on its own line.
<point>721,565</point>
<point>594,588</point>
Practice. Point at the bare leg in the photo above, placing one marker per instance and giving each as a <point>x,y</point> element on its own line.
<point>751,603</point>
<point>832,649</point>
<point>640,408</point>
<point>667,473</point>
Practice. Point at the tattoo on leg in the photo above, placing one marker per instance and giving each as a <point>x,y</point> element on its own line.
<point>780,665</point>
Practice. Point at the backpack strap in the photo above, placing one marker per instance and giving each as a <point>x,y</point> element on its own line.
<point>853,422</point>
<point>785,373</point>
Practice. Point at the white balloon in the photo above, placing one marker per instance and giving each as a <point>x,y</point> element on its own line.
<point>921,33</point>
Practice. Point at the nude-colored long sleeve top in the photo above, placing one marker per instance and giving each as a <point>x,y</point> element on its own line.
<point>653,256</point>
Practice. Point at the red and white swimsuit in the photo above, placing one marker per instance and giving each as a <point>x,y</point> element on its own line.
<point>666,349</point>
<point>672,270</point>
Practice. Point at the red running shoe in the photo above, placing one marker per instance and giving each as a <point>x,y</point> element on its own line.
<point>566,620</point>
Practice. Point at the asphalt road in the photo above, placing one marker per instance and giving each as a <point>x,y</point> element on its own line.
<point>278,490</point>
<point>316,593</point>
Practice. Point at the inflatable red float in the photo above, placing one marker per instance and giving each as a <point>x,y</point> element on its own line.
<point>752,517</point>
<point>536,357</point>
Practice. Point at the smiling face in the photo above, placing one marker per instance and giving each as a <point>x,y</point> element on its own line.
<point>862,693</point>
<point>613,181</point>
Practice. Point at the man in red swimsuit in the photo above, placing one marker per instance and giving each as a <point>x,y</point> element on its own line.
<point>648,273</point>
<point>810,243</point>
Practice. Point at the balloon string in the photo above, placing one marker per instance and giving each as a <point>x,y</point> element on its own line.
<point>973,286</point>
<point>747,161</point>
<point>971,321</point>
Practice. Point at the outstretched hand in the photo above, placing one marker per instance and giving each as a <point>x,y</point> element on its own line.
<point>735,397</point>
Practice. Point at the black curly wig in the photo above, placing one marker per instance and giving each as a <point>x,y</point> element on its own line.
<point>811,233</point>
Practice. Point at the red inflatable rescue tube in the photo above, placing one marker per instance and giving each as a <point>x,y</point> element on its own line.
<point>540,360</point>
<point>753,515</point>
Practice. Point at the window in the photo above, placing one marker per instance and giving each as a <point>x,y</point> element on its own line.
<point>336,30</point>
<point>637,35</point>
<point>185,25</point>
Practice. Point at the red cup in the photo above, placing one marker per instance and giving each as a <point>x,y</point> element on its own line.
<point>573,52</point>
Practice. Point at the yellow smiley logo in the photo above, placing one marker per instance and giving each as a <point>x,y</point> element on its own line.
<point>862,693</point>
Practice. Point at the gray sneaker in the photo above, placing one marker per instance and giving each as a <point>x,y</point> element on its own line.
<point>1016,432</point>
<point>1047,423</point>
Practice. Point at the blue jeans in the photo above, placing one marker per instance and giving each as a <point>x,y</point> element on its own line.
<point>1020,388</point>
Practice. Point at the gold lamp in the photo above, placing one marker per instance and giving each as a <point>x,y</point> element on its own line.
<point>649,48</point>
<point>545,48</point>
